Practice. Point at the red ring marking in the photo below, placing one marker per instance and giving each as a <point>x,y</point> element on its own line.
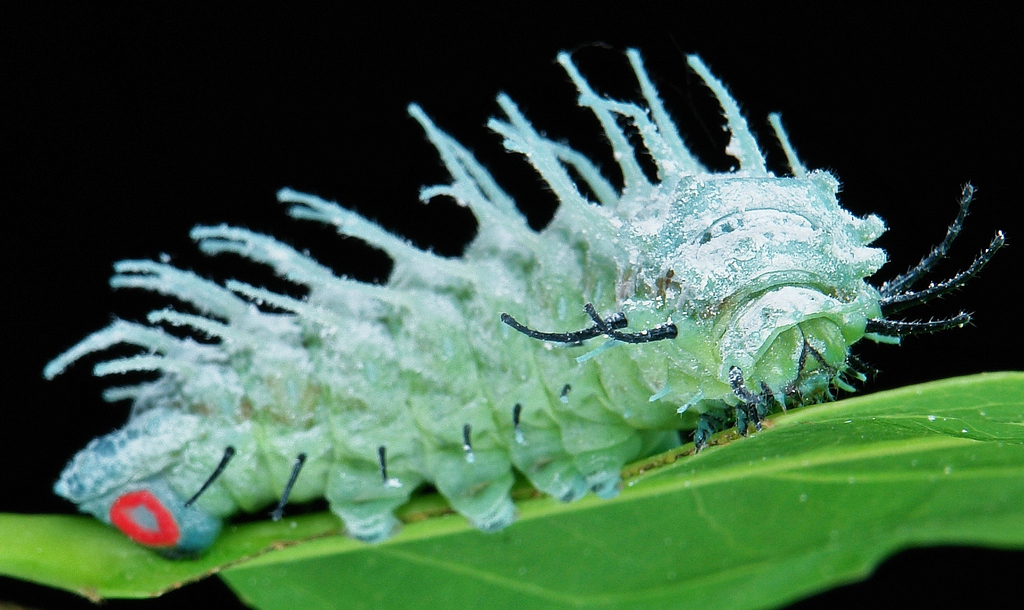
<point>122,515</point>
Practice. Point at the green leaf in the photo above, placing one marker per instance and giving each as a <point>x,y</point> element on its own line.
<point>816,499</point>
<point>84,556</point>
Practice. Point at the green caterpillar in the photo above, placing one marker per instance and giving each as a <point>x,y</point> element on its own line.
<point>691,301</point>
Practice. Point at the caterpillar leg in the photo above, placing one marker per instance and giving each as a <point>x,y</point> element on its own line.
<point>595,454</point>
<point>537,452</point>
<point>478,488</point>
<point>751,407</point>
<point>557,476</point>
<point>365,500</point>
<point>707,425</point>
<point>599,450</point>
<point>598,438</point>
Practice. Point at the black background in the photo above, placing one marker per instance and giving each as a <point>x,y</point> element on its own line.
<point>124,125</point>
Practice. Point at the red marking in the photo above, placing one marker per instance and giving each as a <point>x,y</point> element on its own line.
<point>124,510</point>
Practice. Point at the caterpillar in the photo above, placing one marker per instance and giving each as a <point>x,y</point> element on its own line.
<point>683,300</point>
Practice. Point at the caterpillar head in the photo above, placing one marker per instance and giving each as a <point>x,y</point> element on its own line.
<point>119,478</point>
<point>795,300</point>
<point>766,273</point>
